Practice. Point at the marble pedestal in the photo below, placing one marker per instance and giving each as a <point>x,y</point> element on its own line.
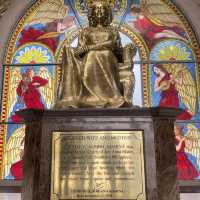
<point>159,149</point>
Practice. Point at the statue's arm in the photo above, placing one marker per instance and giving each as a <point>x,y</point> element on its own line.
<point>117,47</point>
<point>101,46</point>
<point>82,47</point>
<point>129,52</point>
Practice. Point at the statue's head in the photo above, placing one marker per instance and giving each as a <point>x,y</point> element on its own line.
<point>99,13</point>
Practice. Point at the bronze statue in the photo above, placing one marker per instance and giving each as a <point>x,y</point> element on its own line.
<point>98,72</point>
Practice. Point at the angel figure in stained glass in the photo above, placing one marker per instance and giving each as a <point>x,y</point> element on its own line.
<point>174,81</point>
<point>28,92</point>
<point>50,21</point>
<point>185,168</point>
<point>31,90</point>
<point>13,155</point>
<point>154,24</point>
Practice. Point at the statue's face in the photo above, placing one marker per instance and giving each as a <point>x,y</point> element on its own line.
<point>100,14</point>
<point>100,10</point>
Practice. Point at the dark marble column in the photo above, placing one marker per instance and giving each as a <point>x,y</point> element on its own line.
<point>159,149</point>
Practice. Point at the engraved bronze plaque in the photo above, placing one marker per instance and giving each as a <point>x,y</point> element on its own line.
<point>98,165</point>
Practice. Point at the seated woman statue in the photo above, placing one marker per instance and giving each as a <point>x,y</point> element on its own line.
<point>98,72</point>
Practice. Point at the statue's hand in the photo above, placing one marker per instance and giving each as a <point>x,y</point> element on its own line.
<point>80,50</point>
<point>93,47</point>
<point>131,48</point>
<point>101,46</point>
<point>84,49</point>
<point>129,51</point>
<point>96,47</point>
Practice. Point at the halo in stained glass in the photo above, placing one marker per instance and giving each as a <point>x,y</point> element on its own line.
<point>33,52</point>
<point>169,49</point>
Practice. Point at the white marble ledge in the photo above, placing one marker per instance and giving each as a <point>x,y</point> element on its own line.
<point>10,196</point>
<point>17,196</point>
<point>190,196</point>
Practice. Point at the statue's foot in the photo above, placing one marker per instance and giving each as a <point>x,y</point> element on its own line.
<point>61,105</point>
<point>130,105</point>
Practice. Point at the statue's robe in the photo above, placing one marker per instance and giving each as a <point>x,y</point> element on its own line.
<point>92,79</point>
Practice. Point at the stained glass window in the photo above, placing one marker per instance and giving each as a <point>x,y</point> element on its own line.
<point>165,68</point>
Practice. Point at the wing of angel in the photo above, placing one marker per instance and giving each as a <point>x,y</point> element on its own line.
<point>15,78</point>
<point>160,13</point>
<point>193,138</point>
<point>185,85</point>
<point>49,11</point>
<point>47,91</point>
<point>13,149</point>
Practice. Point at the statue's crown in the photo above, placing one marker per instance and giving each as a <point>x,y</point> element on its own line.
<point>110,3</point>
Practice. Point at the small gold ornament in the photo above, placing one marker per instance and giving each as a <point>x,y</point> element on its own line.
<point>110,3</point>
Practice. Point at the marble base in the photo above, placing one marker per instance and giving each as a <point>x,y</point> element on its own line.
<point>159,149</point>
